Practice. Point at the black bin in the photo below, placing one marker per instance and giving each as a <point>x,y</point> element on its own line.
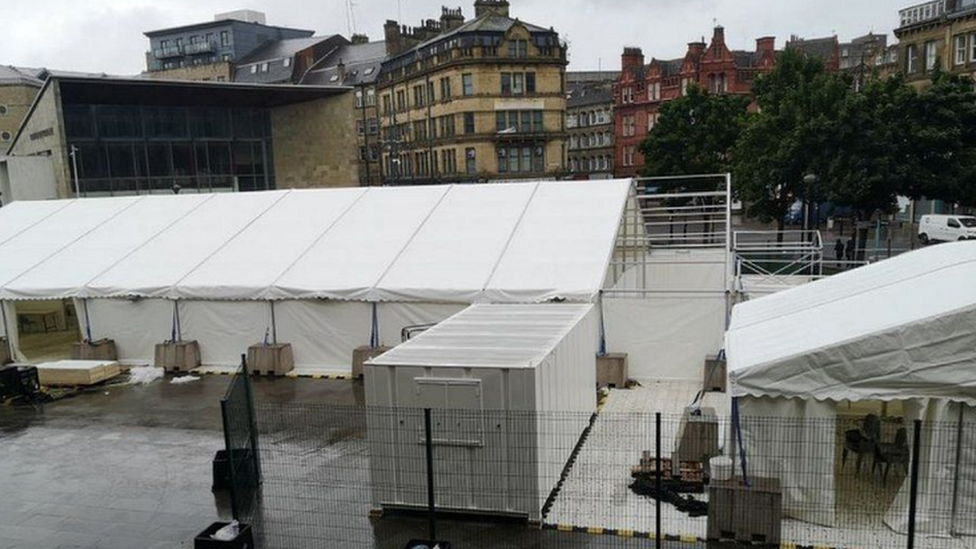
<point>427,544</point>
<point>221,471</point>
<point>19,380</point>
<point>245,540</point>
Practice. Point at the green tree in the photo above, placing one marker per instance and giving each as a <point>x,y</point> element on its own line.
<point>798,104</point>
<point>695,134</point>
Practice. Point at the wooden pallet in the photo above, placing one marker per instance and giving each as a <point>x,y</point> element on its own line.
<point>76,372</point>
<point>688,471</point>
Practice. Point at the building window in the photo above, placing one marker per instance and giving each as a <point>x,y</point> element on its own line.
<point>445,88</point>
<point>931,56</point>
<point>3,110</point>
<point>470,164</point>
<point>469,122</point>
<point>467,84</point>
<point>287,61</point>
<point>359,127</point>
<point>911,59</point>
<point>629,156</point>
<point>370,97</point>
<point>418,96</point>
<point>630,129</point>
<point>530,82</point>
<point>373,126</point>
<point>654,91</point>
<point>264,67</point>
<point>225,57</point>
<point>685,82</point>
<point>254,69</point>
<point>521,159</point>
<point>224,38</point>
<point>5,136</point>
<point>972,47</point>
<point>627,95</point>
<point>401,100</point>
<point>518,48</point>
<point>521,121</point>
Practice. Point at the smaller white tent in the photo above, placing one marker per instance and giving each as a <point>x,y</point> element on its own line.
<point>902,329</point>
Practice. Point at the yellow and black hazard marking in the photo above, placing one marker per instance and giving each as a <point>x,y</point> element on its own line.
<point>337,377</point>
<point>622,533</point>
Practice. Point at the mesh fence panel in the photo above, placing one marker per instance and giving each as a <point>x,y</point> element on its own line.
<point>357,477</point>
<point>241,445</point>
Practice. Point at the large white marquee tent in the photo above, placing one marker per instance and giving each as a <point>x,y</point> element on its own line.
<point>327,259</point>
<point>903,329</point>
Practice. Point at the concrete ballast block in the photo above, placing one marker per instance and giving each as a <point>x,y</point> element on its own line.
<point>181,356</point>
<point>611,370</point>
<point>361,354</point>
<point>273,360</point>
<point>102,349</point>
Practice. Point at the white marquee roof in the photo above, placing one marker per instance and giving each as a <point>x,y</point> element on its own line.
<point>901,328</point>
<point>490,336</point>
<point>517,242</point>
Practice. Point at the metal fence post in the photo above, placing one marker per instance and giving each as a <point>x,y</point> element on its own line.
<point>430,474</point>
<point>252,420</point>
<point>657,480</point>
<point>913,496</point>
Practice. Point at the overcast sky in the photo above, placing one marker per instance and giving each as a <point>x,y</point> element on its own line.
<point>106,35</point>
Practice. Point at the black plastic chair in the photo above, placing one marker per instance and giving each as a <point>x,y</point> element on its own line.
<point>892,453</point>
<point>863,442</point>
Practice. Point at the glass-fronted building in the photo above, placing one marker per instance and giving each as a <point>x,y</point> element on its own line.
<point>121,136</point>
<point>142,148</point>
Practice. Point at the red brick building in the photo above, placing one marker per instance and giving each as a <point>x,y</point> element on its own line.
<point>642,88</point>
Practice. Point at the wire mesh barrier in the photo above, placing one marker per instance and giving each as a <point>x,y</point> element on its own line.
<point>359,477</point>
<point>241,441</point>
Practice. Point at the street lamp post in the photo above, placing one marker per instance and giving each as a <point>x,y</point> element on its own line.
<point>809,180</point>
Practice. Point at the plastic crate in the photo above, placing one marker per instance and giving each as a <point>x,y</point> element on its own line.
<point>245,540</point>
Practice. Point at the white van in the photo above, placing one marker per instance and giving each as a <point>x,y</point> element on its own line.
<point>946,228</point>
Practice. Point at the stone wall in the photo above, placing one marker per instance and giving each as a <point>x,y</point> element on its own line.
<point>15,101</point>
<point>43,134</point>
<point>315,143</point>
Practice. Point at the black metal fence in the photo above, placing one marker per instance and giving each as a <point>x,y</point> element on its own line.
<point>358,477</point>
<point>241,444</point>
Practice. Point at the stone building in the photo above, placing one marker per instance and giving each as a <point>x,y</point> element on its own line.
<point>938,33</point>
<point>589,123</point>
<point>107,136</point>
<point>357,64</point>
<point>474,100</point>
<point>18,87</point>
<point>209,50</point>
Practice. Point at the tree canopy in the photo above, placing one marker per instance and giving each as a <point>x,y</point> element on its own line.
<point>867,146</point>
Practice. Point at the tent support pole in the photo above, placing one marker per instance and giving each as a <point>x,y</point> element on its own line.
<point>88,331</point>
<point>913,492</point>
<point>274,325</point>
<point>6,329</point>
<point>179,322</point>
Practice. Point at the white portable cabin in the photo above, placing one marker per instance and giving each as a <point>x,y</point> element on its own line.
<point>512,388</point>
<point>900,330</point>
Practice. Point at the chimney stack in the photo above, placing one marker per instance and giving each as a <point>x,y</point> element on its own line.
<point>451,19</point>
<point>496,7</point>
<point>696,49</point>
<point>766,44</point>
<point>718,36</point>
<point>359,39</point>
<point>393,37</point>
<point>632,58</point>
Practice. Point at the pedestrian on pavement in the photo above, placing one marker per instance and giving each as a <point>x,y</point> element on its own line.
<point>839,251</point>
<point>850,251</point>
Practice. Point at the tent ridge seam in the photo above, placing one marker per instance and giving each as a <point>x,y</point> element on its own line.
<point>173,288</point>
<point>318,239</point>
<point>393,262</point>
<point>67,204</point>
<point>511,237</point>
<point>146,243</point>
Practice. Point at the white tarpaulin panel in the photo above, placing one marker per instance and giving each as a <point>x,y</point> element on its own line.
<point>349,260</point>
<point>42,240</point>
<point>323,334</point>
<point>225,329</point>
<point>459,245</point>
<point>69,270</point>
<point>900,329</point>
<point>562,246</point>
<point>20,216</point>
<point>666,337</point>
<point>251,263</point>
<point>156,267</point>
<point>135,326</point>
